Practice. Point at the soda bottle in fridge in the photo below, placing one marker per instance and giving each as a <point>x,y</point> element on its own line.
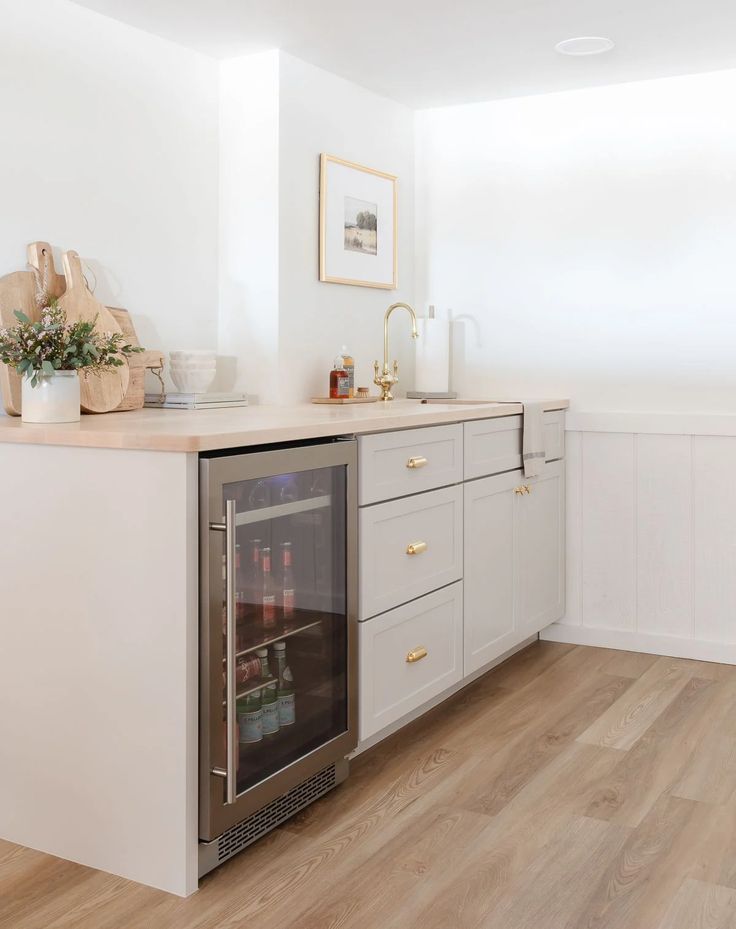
<point>253,574</point>
<point>250,717</point>
<point>285,687</point>
<point>268,592</point>
<point>287,585</point>
<point>269,698</point>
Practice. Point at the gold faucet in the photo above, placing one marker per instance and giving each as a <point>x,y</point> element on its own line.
<point>386,380</point>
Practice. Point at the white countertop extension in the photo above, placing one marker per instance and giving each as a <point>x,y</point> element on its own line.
<point>207,430</point>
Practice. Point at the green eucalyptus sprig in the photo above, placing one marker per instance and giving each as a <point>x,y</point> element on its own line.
<point>40,349</point>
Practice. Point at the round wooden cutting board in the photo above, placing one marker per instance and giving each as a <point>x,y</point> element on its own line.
<point>103,391</point>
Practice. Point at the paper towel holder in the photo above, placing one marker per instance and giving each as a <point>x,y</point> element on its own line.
<point>425,395</point>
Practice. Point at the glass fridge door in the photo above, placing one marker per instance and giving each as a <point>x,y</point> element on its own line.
<point>291,618</point>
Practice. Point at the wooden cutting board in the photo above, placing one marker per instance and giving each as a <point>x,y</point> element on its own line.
<point>125,322</point>
<point>17,292</point>
<point>136,394</point>
<point>41,257</point>
<point>103,391</point>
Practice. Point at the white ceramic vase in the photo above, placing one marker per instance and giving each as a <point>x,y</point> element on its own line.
<point>54,399</point>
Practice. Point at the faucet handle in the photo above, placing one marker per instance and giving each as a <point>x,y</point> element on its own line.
<point>396,369</point>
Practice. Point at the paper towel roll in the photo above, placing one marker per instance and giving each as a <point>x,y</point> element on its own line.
<point>432,371</point>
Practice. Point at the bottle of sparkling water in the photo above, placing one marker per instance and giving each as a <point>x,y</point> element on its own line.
<point>269,697</point>
<point>286,695</point>
<point>250,717</point>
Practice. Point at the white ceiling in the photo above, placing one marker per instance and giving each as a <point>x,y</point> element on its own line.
<point>434,52</point>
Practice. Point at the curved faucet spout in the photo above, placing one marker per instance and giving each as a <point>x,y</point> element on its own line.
<point>386,380</point>
<point>414,331</point>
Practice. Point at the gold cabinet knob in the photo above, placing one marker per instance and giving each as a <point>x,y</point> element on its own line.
<point>416,654</point>
<point>419,461</point>
<point>527,489</point>
<point>416,548</point>
<point>519,490</point>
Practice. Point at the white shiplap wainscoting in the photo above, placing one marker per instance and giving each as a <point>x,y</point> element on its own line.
<point>651,535</point>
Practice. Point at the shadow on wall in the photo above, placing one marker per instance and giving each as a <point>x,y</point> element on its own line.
<point>227,367</point>
<point>462,327</point>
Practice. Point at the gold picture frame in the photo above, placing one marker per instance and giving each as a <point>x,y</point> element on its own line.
<point>373,255</point>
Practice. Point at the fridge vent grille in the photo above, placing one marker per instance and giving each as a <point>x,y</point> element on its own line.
<point>274,813</point>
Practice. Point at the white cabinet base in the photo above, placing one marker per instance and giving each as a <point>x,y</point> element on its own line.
<point>98,731</point>
<point>508,533</point>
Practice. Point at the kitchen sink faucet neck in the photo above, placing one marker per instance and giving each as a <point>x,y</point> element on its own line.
<point>385,379</point>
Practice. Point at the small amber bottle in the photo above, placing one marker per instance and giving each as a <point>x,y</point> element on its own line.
<point>339,381</point>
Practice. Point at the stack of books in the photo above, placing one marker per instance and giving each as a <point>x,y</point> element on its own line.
<point>178,401</point>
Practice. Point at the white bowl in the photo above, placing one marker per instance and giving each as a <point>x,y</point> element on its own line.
<point>194,354</point>
<point>204,366</point>
<point>193,382</point>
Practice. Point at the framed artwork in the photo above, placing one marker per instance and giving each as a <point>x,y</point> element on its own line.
<point>358,217</point>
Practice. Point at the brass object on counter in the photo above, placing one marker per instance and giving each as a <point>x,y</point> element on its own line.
<point>385,379</point>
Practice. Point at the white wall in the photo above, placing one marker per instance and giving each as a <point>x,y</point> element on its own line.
<point>277,320</point>
<point>586,240</point>
<point>191,190</point>
<point>320,112</point>
<point>109,146</point>
<point>249,225</point>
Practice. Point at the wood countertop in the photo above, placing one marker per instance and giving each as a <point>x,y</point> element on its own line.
<point>208,430</point>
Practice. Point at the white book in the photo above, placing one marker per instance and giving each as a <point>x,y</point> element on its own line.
<point>175,397</point>
<point>179,401</point>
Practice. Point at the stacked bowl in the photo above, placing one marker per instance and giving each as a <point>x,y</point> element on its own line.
<point>193,371</point>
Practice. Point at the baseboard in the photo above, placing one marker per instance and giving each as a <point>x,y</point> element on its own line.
<point>629,641</point>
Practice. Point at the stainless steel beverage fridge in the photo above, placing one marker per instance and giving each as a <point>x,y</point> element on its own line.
<point>278,636</point>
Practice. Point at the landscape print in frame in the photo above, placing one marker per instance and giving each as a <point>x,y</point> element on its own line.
<point>358,224</point>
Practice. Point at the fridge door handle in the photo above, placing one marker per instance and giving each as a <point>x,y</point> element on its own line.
<point>231,747</point>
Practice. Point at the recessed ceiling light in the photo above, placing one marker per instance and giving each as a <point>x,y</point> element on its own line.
<point>584,45</point>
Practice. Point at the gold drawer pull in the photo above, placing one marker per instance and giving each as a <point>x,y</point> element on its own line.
<point>416,654</point>
<point>418,462</point>
<point>416,548</point>
<point>523,489</point>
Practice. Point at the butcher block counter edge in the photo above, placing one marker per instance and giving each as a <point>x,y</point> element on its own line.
<point>209,430</point>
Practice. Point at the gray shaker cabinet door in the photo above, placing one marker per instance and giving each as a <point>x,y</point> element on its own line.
<point>490,564</point>
<point>514,549</point>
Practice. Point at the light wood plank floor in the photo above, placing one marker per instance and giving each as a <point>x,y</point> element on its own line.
<point>570,787</point>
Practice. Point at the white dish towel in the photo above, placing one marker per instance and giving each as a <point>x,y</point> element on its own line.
<point>533,453</point>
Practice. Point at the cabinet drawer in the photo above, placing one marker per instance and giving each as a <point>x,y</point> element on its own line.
<point>391,685</point>
<point>494,445</point>
<point>391,572</point>
<point>394,464</point>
